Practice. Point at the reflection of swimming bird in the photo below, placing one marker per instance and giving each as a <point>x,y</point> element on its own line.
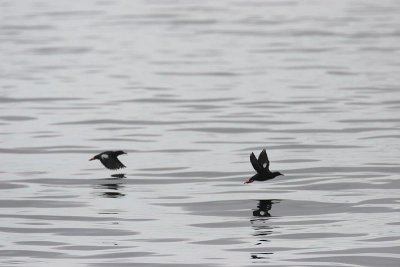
<point>110,160</point>
<point>261,165</point>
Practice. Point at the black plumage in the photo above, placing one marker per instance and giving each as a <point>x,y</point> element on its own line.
<point>110,160</point>
<point>261,165</point>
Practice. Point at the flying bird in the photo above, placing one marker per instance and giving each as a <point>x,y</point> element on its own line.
<point>261,165</point>
<point>110,160</point>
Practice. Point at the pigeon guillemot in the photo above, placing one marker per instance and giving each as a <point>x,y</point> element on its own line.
<point>110,160</point>
<point>262,168</point>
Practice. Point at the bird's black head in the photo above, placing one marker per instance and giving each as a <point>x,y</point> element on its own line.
<point>95,157</point>
<point>276,174</point>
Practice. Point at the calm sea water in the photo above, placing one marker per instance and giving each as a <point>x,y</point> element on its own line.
<point>189,89</point>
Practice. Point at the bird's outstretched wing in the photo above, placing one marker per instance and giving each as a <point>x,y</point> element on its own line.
<point>112,163</point>
<point>254,162</point>
<point>263,161</point>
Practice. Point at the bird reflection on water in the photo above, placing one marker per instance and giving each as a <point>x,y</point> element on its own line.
<point>260,226</point>
<point>113,186</point>
<point>263,208</point>
<point>118,175</point>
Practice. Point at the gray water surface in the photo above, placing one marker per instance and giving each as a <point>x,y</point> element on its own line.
<point>189,89</point>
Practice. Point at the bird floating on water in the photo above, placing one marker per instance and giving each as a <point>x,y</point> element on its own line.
<point>261,165</point>
<point>110,160</point>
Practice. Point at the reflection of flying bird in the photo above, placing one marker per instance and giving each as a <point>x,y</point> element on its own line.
<point>261,165</point>
<point>113,190</point>
<point>118,175</point>
<point>264,207</point>
<point>110,160</point>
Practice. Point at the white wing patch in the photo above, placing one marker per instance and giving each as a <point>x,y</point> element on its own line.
<point>265,165</point>
<point>104,156</point>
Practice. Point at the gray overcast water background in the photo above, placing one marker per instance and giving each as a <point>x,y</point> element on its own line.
<point>189,89</point>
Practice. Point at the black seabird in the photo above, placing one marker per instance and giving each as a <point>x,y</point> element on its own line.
<point>262,168</point>
<point>110,160</point>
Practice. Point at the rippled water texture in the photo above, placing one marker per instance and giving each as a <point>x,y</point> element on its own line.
<point>189,89</point>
